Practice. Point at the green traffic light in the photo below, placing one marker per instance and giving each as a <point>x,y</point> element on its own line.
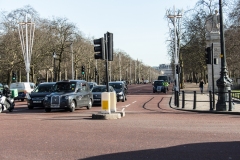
<point>82,72</point>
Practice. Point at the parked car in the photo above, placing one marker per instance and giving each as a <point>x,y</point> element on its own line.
<point>158,86</point>
<point>92,84</point>
<point>120,89</point>
<point>36,97</point>
<point>97,93</point>
<point>69,95</point>
<point>23,88</point>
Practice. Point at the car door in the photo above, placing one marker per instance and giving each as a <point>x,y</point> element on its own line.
<point>79,96</point>
<point>84,93</point>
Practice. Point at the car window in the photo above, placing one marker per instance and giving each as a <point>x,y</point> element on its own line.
<point>44,88</point>
<point>99,89</point>
<point>84,87</point>
<point>65,87</point>
<point>116,85</point>
<point>158,83</point>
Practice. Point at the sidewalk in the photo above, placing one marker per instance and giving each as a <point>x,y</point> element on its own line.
<point>202,101</point>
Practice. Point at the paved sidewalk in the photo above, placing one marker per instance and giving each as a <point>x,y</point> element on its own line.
<point>202,101</point>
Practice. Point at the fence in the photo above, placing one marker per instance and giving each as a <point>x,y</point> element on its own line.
<point>211,99</point>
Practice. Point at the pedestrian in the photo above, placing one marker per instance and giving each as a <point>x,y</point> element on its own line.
<point>201,86</point>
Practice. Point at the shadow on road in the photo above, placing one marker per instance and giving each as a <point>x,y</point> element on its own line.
<point>197,151</point>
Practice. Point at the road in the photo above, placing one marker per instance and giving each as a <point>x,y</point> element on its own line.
<point>150,130</point>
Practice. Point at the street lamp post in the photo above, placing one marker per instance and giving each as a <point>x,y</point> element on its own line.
<point>72,62</point>
<point>175,39</point>
<point>26,41</point>
<point>224,82</point>
<point>54,66</point>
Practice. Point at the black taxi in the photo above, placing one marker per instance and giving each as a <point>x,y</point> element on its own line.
<point>69,95</point>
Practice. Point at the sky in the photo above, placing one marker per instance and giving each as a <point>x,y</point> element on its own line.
<point>138,26</point>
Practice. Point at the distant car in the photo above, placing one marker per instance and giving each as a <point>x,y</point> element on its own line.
<point>120,89</point>
<point>69,95</point>
<point>23,88</point>
<point>92,84</point>
<point>146,81</point>
<point>97,93</point>
<point>36,97</point>
<point>158,86</point>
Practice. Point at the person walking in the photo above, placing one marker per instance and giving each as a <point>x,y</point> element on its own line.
<point>165,84</point>
<point>201,86</point>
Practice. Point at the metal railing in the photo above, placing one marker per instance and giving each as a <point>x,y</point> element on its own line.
<point>211,100</point>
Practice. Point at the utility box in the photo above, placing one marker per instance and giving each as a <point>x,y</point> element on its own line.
<point>14,93</point>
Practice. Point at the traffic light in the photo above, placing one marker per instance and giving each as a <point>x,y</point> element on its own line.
<point>14,76</point>
<point>110,46</point>
<point>208,55</point>
<point>99,48</point>
<point>83,69</point>
<point>96,72</point>
<point>178,69</point>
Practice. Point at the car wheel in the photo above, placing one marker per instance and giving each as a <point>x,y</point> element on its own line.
<point>72,106</point>
<point>47,109</point>
<point>1,108</point>
<point>30,107</point>
<point>118,100</point>
<point>89,104</point>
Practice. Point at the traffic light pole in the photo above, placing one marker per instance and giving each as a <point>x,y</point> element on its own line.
<point>106,60</point>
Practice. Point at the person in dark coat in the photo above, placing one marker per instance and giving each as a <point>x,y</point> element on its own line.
<point>201,86</point>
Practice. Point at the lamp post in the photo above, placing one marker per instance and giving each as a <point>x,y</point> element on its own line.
<point>54,66</point>
<point>224,82</point>
<point>72,62</point>
<point>175,39</point>
<point>26,38</point>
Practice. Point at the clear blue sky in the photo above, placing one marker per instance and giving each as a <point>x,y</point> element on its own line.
<point>138,26</point>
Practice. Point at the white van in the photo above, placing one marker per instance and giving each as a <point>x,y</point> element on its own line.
<point>23,88</point>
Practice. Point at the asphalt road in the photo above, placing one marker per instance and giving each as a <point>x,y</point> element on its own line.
<point>150,130</point>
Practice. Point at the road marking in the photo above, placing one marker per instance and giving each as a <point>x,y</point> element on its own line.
<point>134,102</point>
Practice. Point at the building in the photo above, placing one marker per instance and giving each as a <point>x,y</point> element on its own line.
<point>165,69</point>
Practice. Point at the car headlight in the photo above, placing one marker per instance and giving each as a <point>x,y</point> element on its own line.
<point>120,93</point>
<point>46,98</point>
<point>66,97</point>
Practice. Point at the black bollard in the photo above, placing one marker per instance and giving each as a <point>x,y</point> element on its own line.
<point>183,99</point>
<point>210,101</point>
<point>230,100</point>
<point>194,99</point>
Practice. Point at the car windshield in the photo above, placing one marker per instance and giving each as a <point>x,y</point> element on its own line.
<point>158,83</point>
<point>65,87</point>
<point>99,89</point>
<point>116,85</point>
<point>44,88</point>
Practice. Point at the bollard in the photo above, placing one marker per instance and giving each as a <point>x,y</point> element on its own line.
<point>194,99</point>
<point>230,100</point>
<point>177,98</point>
<point>113,101</point>
<point>105,104</point>
<point>210,100</point>
<point>183,99</point>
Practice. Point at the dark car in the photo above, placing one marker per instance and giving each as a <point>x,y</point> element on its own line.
<point>69,95</point>
<point>92,84</point>
<point>36,97</point>
<point>158,86</point>
<point>97,93</point>
<point>120,89</point>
